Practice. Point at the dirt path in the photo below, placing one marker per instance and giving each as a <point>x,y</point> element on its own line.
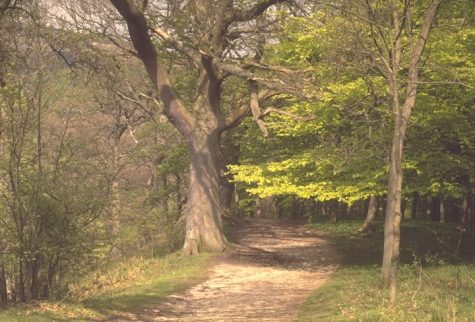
<point>267,277</point>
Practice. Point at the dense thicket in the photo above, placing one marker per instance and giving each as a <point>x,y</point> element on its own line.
<point>89,173</point>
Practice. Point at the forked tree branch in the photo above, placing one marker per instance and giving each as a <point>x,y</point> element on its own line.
<point>416,54</point>
<point>176,44</point>
<point>255,11</point>
<point>238,114</point>
<point>174,107</point>
<point>255,109</point>
<point>272,84</point>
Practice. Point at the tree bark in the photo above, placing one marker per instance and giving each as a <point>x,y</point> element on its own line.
<point>267,207</point>
<point>370,215</point>
<point>464,220</point>
<point>202,123</point>
<point>35,278</point>
<point>314,210</point>
<point>203,210</point>
<point>229,155</point>
<point>470,208</point>
<point>333,210</point>
<point>401,116</point>
<point>114,220</point>
<point>295,208</point>
<point>442,210</point>
<point>403,207</point>
<point>429,209</point>
<point>393,212</point>
<point>3,286</point>
<point>200,127</point>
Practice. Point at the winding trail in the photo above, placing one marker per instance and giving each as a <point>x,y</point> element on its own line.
<point>273,268</point>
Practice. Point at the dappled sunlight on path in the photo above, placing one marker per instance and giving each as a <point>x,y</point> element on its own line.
<point>271,270</point>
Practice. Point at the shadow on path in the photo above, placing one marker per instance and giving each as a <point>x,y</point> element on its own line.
<point>272,268</point>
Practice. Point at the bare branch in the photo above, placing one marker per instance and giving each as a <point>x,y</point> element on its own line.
<point>255,109</point>
<point>175,43</point>
<point>255,64</point>
<point>132,133</point>
<point>257,10</point>
<point>459,83</point>
<point>272,84</point>
<point>237,115</point>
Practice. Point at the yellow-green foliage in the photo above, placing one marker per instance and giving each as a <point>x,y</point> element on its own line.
<point>341,150</point>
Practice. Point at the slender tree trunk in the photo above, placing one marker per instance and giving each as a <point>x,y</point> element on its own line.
<point>393,212</point>
<point>178,196</point>
<point>267,207</point>
<point>229,155</point>
<point>393,199</point>
<point>470,208</point>
<point>347,210</point>
<point>427,207</point>
<point>403,207</point>
<point>35,279</point>
<point>382,206</point>
<point>370,215</point>
<point>295,207</point>
<point>314,211</point>
<point>281,210</point>
<point>442,210</point>
<point>163,197</point>
<point>114,220</point>
<point>227,194</point>
<point>21,282</point>
<point>27,281</point>
<point>324,208</point>
<point>203,210</point>
<point>3,286</point>
<point>401,116</point>
<point>333,210</point>
<point>52,269</point>
<point>435,207</point>
<point>465,211</point>
<point>415,201</point>
<point>236,201</point>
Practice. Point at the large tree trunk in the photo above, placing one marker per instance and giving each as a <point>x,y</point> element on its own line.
<point>372,209</point>
<point>200,125</point>
<point>203,209</point>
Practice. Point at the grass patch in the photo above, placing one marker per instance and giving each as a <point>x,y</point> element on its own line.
<point>129,286</point>
<point>434,285</point>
